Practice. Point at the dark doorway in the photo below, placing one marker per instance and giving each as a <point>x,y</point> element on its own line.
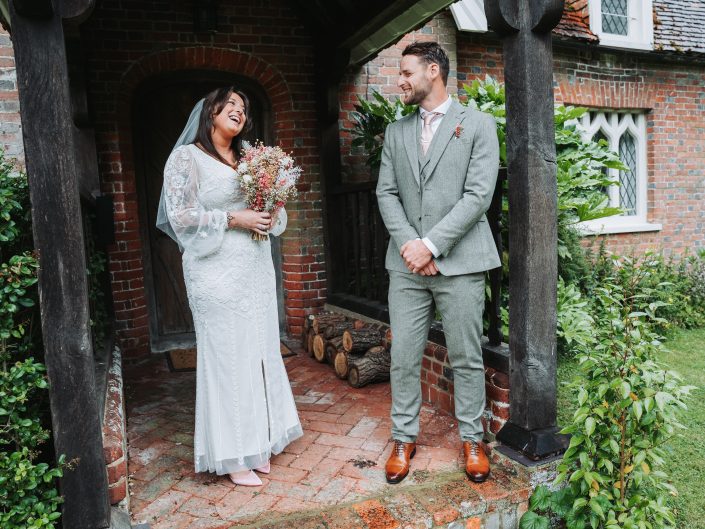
<point>161,109</point>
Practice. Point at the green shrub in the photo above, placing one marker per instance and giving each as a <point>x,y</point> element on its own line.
<point>28,495</point>
<point>677,285</point>
<point>628,406</point>
<point>574,321</point>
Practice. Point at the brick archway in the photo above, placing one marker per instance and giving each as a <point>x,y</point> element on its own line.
<point>118,176</point>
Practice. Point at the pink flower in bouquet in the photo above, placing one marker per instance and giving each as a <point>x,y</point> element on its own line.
<point>267,177</point>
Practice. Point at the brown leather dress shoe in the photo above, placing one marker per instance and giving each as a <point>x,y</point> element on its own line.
<point>397,466</point>
<point>477,465</point>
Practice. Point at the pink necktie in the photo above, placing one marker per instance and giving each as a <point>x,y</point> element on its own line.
<point>427,129</point>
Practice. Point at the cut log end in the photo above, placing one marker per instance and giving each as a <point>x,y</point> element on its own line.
<point>319,348</point>
<point>359,341</point>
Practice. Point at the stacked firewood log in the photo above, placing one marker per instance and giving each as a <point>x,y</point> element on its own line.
<point>358,352</point>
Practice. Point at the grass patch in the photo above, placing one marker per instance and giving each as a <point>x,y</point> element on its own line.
<point>685,353</point>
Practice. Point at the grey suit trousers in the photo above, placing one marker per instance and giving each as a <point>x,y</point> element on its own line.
<point>460,300</point>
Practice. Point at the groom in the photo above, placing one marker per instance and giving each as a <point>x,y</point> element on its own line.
<point>438,174</point>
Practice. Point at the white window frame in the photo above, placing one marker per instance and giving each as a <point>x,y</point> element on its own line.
<point>640,34</point>
<point>469,15</point>
<point>613,125</point>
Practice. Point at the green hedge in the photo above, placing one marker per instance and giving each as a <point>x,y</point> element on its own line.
<point>28,494</point>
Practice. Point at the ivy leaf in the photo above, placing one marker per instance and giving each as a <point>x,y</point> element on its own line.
<point>540,499</point>
<point>531,520</point>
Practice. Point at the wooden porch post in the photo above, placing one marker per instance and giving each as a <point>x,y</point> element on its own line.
<point>525,28</point>
<point>42,79</point>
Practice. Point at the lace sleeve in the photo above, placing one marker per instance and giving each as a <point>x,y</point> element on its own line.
<point>198,230</point>
<point>280,224</point>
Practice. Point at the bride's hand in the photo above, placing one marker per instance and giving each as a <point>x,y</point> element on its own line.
<point>257,221</point>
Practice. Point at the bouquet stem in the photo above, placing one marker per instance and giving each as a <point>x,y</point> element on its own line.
<point>259,237</point>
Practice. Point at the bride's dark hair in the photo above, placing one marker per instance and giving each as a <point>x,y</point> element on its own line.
<point>213,104</point>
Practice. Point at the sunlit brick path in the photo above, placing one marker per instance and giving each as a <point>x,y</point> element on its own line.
<point>332,478</point>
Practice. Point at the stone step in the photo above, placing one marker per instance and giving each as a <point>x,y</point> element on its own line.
<point>448,501</point>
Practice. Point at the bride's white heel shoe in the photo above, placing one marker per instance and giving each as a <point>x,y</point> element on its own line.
<point>264,469</point>
<point>246,479</point>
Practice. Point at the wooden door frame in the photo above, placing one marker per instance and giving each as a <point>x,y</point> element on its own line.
<point>157,342</point>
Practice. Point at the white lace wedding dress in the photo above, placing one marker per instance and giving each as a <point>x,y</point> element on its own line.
<point>245,410</point>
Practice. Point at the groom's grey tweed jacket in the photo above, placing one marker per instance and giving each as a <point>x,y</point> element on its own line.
<point>443,195</point>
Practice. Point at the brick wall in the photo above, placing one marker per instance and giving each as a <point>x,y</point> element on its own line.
<point>263,40</point>
<point>10,126</point>
<point>437,388</point>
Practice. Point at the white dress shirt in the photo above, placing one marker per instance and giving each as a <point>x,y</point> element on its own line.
<point>442,109</point>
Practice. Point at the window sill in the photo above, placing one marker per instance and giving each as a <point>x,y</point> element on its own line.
<point>608,42</point>
<point>610,226</point>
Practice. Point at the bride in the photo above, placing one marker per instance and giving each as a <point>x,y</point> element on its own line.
<point>245,410</point>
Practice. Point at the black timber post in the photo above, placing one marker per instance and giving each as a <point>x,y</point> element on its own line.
<point>525,28</point>
<point>43,85</point>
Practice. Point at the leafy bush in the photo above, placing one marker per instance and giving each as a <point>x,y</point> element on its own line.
<point>696,276</point>
<point>677,285</point>
<point>628,407</point>
<point>574,321</point>
<point>28,495</point>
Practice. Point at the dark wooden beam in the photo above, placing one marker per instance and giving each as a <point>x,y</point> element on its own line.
<point>382,13</point>
<point>524,26</point>
<point>76,11</point>
<point>41,9</point>
<point>43,87</point>
<point>363,27</point>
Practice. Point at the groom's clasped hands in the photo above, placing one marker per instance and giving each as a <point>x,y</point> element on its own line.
<point>418,258</point>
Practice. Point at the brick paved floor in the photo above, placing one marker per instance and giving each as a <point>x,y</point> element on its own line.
<point>332,477</point>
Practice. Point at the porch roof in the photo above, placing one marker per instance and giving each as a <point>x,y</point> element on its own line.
<point>357,28</point>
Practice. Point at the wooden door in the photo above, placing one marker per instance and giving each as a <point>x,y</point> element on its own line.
<point>161,109</point>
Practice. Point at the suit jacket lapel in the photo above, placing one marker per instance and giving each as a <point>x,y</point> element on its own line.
<point>446,130</point>
<point>411,143</point>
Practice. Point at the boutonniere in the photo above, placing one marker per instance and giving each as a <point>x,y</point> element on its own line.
<point>458,131</point>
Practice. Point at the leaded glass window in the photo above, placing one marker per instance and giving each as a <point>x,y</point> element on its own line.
<point>627,179</point>
<point>625,134</point>
<point>615,17</point>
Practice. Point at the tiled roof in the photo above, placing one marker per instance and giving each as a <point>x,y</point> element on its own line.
<point>679,25</point>
<point>576,22</point>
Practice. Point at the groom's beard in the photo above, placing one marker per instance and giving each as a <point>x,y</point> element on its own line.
<point>418,95</point>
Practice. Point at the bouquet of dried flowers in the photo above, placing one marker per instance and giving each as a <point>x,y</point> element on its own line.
<point>267,177</point>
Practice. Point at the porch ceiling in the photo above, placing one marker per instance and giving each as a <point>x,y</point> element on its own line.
<point>357,28</point>
<point>364,27</point>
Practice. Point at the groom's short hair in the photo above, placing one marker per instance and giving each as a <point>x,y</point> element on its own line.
<point>430,52</point>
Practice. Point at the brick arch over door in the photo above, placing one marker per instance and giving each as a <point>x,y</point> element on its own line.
<point>119,178</point>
